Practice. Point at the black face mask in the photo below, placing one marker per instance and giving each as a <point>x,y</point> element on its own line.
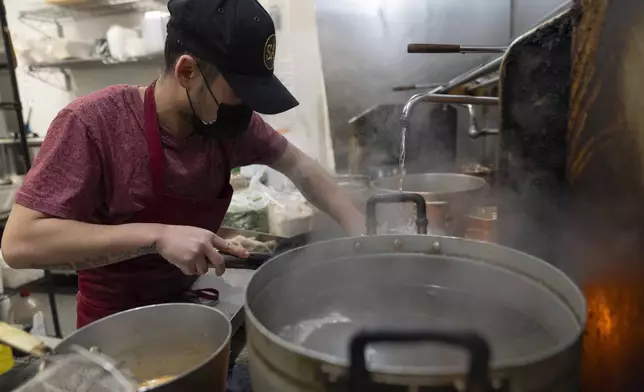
<point>232,120</point>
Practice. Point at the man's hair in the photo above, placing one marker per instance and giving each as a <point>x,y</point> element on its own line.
<point>174,50</point>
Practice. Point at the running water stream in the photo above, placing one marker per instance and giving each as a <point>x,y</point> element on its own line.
<point>405,227</point>
<point>403,156</point>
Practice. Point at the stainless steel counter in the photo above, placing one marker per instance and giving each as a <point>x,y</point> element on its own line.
<point>232,288</point>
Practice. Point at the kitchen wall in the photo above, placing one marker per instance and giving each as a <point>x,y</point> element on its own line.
<point>364,44</point>
<point>526,13</point>
<point>298,65</point>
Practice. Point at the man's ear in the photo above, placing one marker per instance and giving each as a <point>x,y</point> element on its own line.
<point>186,71</point>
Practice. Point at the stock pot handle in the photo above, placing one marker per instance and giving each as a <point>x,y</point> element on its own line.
<point>479,350</point>
<point>392,198</point>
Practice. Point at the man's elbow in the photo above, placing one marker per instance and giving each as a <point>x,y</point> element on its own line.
<point>11,253</point>
<point>15,249</point>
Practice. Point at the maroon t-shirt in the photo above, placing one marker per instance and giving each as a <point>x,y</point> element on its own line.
<point>94,163</point>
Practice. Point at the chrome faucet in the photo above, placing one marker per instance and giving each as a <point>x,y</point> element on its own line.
<point>464,100</point>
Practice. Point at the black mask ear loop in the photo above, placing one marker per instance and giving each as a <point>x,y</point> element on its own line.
<point>205,82</point>
<point>209,90</point>
<point>193,113</point>
<point>192,106</point>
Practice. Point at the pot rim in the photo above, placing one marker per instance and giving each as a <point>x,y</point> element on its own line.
<point>480,183</point>
<point>216,353</point>
<point>433,371</point>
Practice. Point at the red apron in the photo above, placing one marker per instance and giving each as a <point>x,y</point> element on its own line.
<point>149,280</point>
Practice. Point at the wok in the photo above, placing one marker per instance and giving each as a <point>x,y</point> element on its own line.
<point>256,259</point>
<point>340,316</point>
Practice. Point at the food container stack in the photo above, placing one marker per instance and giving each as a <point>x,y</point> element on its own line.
<point>257,207</point>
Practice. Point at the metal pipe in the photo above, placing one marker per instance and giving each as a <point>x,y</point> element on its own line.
<point>488,83</point>
<point>424,86</point>
<point>470,76</point>
<point>442,98</point>
<point>475,132</point>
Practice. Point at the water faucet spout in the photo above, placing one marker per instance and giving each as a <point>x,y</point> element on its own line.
<point>442,98</point>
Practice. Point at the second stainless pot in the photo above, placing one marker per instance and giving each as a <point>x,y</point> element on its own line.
<point>449,197</point>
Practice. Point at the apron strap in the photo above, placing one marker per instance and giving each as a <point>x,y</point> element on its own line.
<point>227,148</point>
<point>155,148</point>
<point>153,138</point>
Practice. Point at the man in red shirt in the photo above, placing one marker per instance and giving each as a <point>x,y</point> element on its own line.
<point>132,183</point>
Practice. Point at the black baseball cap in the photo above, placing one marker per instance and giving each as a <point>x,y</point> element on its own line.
<point>237,36</point>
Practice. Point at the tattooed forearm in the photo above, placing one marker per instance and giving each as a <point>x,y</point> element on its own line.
<point>100,261</point>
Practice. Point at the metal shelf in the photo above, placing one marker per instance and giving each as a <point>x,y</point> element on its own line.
<point>90,9</point>
<point>31,142</point>
<point>96,62</point>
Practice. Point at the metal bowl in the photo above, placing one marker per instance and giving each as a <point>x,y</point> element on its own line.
<point>188,341</point>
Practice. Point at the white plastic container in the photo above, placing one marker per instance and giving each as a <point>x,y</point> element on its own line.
<point>117,40</point>
<point>154,30</point>
<point>13,278</point>
<point>26,312</point>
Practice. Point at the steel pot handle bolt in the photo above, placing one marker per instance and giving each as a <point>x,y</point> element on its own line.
<point>421,210</point>
<point>479,362</point>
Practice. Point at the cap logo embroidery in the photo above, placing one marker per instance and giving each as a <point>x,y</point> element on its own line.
<point>270,48</point>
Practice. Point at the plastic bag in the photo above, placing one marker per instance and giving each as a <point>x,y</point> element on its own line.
<point>249,208</point>
<point>284,213</point>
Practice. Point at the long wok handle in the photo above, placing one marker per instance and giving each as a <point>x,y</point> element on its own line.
<point>253,262</point>
<point>392,198</point>
<point>479,362</point>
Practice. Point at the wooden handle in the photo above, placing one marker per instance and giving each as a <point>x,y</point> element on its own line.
<point>433,48</point>
<point>253,262</point>
<point>446,48</point>
<point>22,341</point>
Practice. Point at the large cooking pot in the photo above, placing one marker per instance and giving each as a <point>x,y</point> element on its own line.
<point>185,344</point>
<point>451,297</point>
<point>450,197</point>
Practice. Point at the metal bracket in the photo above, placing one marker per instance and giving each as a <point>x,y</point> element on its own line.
<point>66,84</point>
<point>36,26</point>
<point>475,132</point>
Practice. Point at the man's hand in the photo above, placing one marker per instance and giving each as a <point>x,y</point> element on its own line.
<point>193,250</point>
